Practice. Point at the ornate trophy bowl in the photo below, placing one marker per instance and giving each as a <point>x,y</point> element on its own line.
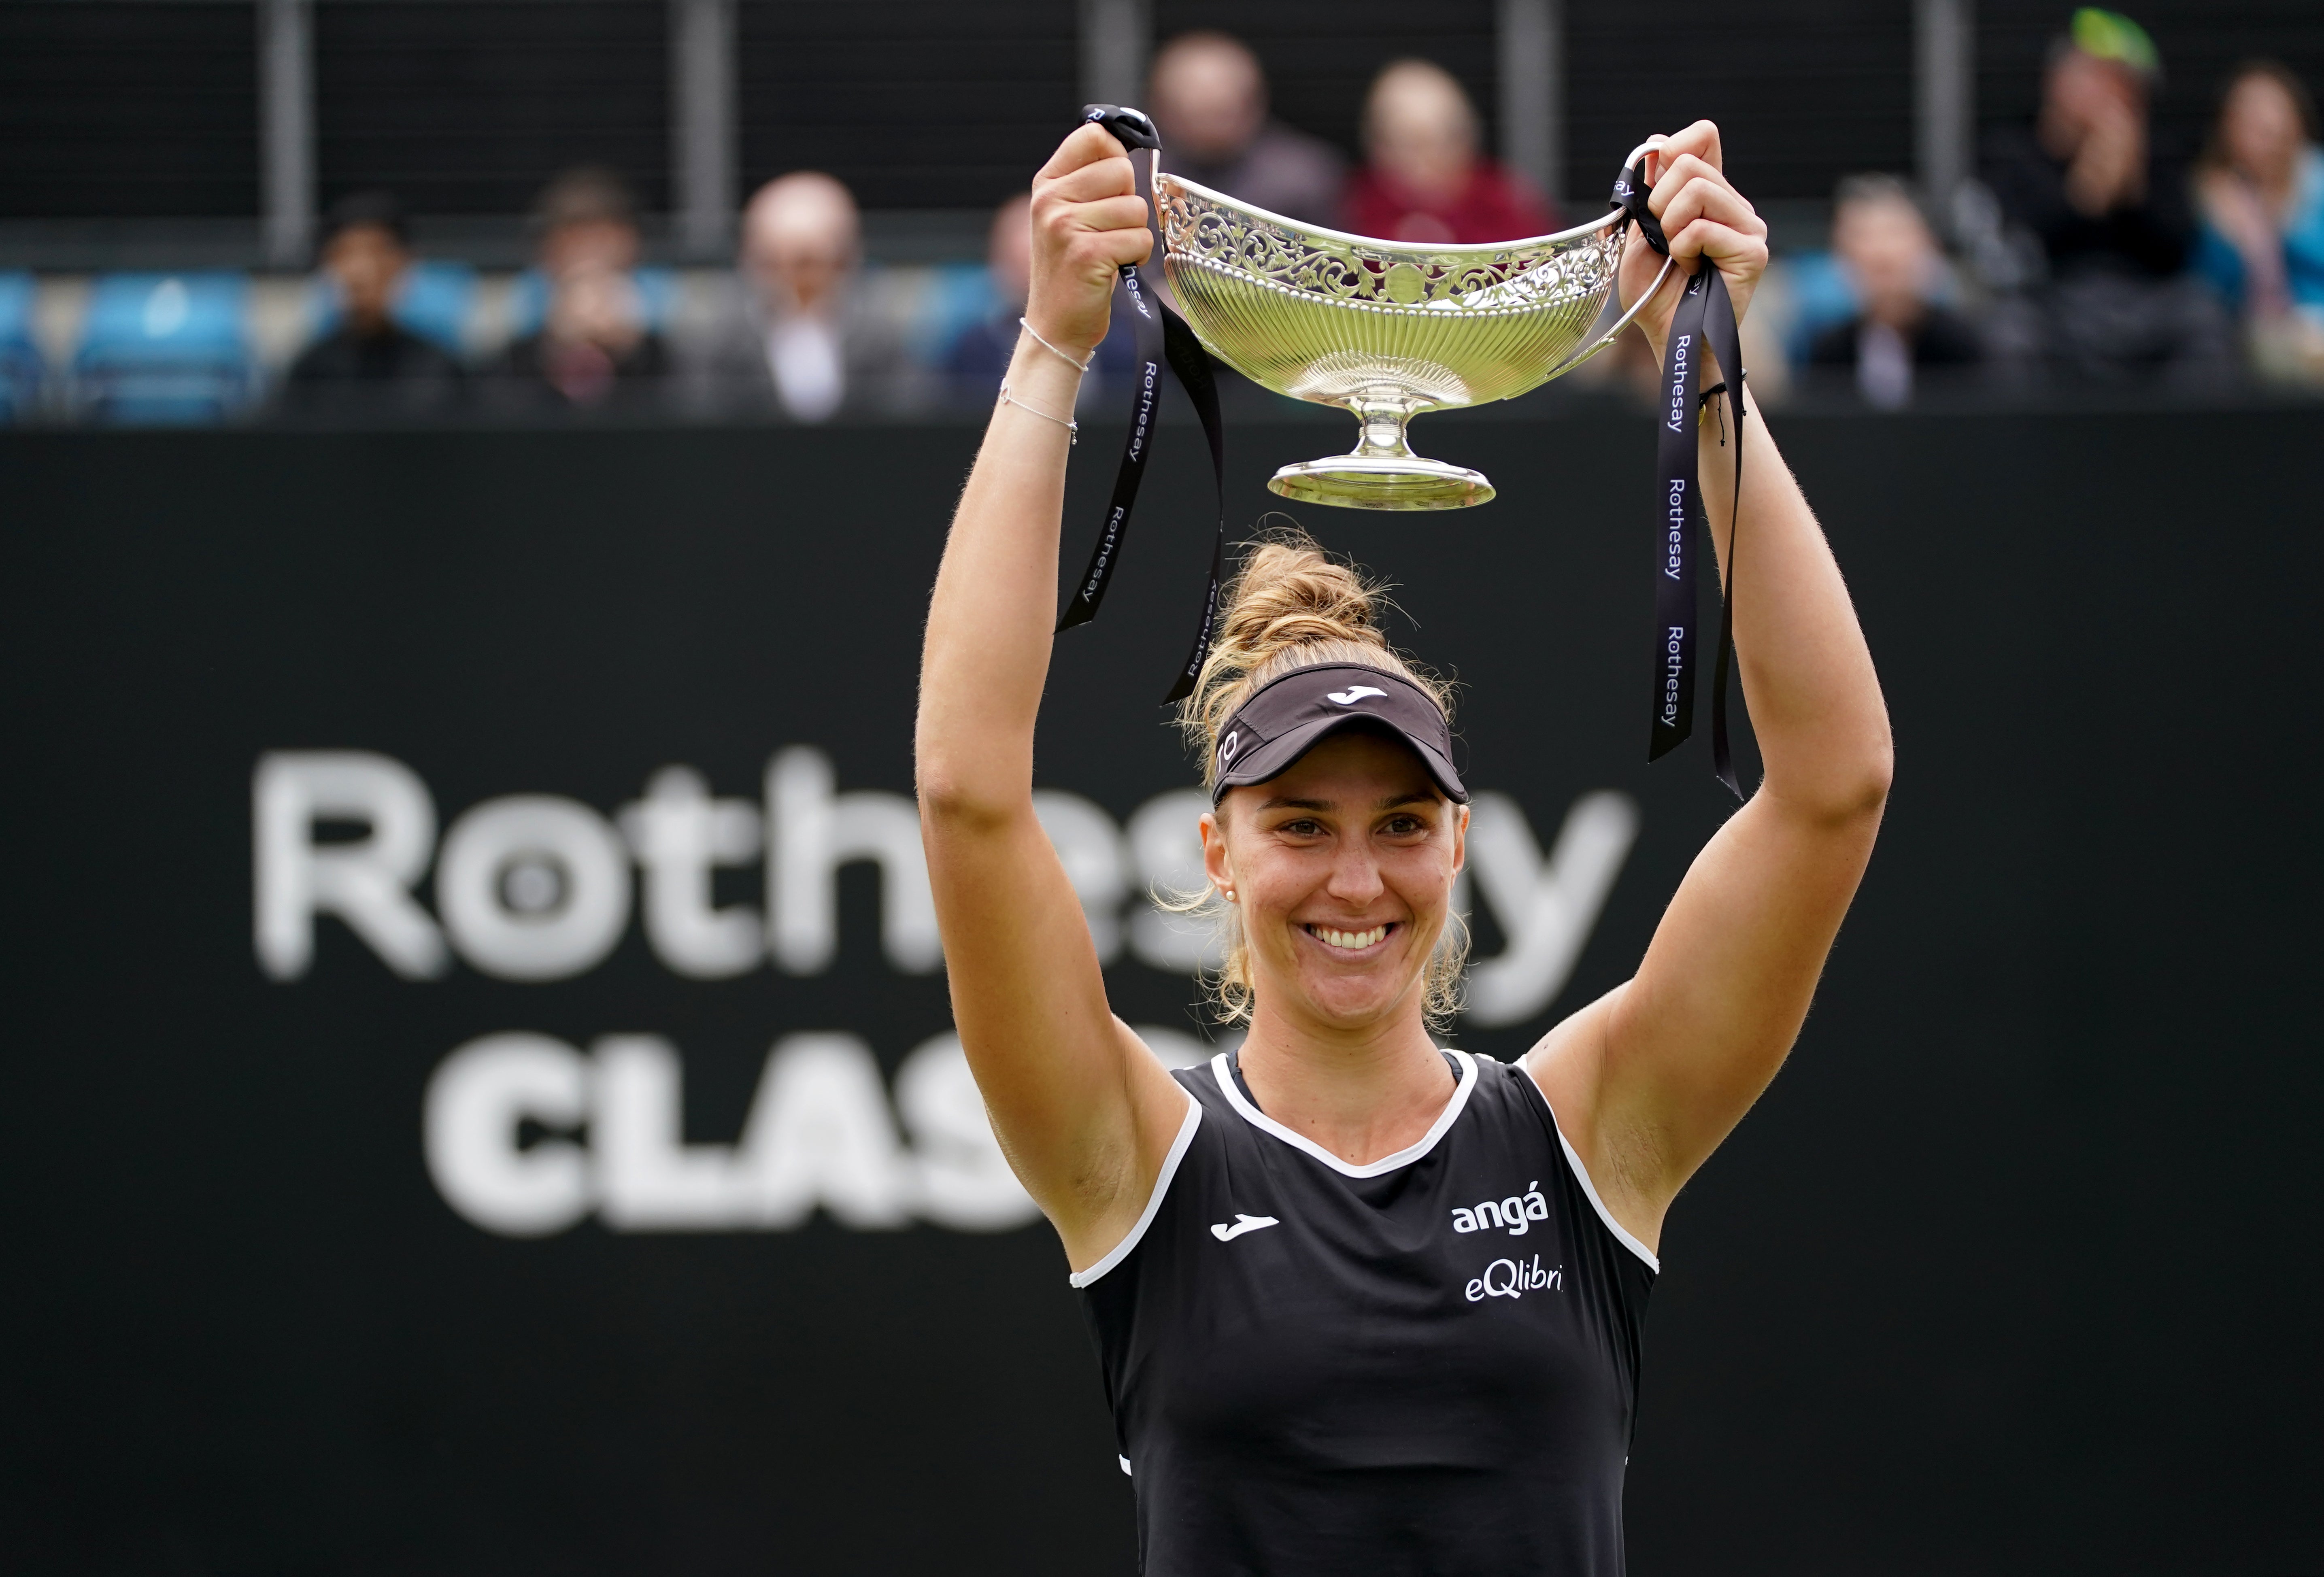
<point>1384,329</point>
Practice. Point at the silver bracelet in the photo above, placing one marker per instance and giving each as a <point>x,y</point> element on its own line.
<point>1072,429</point>
<point>1081,365</point>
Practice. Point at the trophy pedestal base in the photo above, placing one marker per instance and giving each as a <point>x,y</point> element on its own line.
<point>1381,482</point>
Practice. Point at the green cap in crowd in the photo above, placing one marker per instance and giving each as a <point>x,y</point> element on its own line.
<point>2110,35</point>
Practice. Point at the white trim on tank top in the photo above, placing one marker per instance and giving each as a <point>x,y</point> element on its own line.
<point>1403,1158</point>
<point>1590,1189</point>
<point>1120,1251</point>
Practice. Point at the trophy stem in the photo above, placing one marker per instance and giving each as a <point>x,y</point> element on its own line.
<point>1380,431</point>
<point>1382,471</point>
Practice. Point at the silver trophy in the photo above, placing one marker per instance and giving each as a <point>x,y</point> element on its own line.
<point>1387,330</point>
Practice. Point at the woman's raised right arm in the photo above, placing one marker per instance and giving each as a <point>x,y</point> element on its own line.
<point>1085,1112</point>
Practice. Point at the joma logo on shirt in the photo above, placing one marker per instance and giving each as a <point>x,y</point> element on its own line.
<point>1512,1213</point>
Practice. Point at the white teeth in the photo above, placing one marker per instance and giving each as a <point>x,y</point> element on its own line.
<point>1351,940</point>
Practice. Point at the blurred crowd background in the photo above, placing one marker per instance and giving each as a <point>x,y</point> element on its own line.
<point>683,209</point>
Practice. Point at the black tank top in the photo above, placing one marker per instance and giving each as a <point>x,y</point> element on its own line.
<point>1428,1364</point>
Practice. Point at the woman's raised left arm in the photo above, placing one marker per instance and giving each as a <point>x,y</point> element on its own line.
<point>1649,1079</point>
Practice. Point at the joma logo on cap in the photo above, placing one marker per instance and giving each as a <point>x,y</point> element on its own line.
<point>1349,696</point>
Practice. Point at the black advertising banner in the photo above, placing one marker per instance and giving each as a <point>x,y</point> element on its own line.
<point>481,1090</point>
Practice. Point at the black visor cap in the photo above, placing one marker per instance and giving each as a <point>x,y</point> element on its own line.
<point>1286,718</point>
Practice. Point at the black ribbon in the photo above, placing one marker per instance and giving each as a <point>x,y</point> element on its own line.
<point>1703,321</point>
<point>1630,194</point>
<point>1164,339</point>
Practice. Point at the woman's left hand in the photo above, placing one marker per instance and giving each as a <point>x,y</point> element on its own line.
<point>1703,216</point>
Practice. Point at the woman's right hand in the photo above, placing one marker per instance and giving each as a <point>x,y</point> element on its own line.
<point>1085,1112</point>
<point>1088,220</point>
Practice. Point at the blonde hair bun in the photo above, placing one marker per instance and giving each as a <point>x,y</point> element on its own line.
<point>1290,605</point>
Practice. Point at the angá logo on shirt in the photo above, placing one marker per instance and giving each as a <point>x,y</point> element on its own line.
<point>1512,1213</point>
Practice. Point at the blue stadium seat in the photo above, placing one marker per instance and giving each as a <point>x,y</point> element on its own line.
<point>164,347</point>
<point>958,297</point>
<point>528,302</point>
<point>22,370</point>
<point>1822,296</point>
<point>435,302</point>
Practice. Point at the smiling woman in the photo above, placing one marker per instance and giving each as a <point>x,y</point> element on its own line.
<point>1291,612</point>
<point>1322,1354</point>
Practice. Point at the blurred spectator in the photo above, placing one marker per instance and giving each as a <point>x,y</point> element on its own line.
<point>1209,101</point>
<point>2110,212</point>
<point>587,217</point>
<point>797,331</point>
<point>368,358</point>
<point>980,356</point>
<point>595,342</point>
<point>1427,181</point>
<point>1885,249</point>
<point>2260,184</point>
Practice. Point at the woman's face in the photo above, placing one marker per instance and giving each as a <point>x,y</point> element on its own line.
<point>2261,128</point>
<point>1342,871</point>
